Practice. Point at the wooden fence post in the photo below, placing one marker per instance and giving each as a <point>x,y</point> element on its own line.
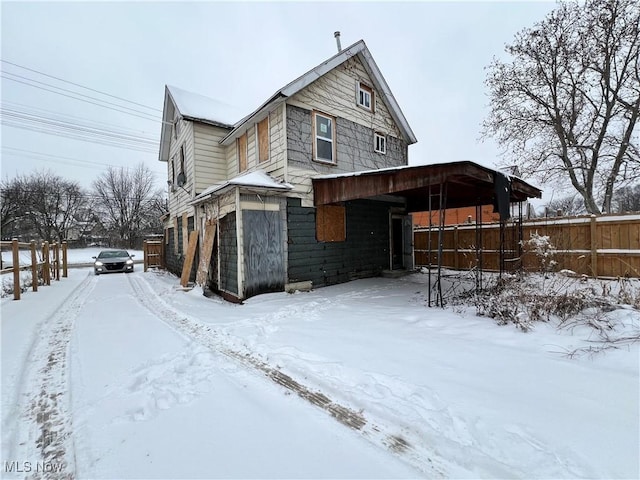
<point>46,267</point>
<point>145,252</point>
<point>594,247</point>
<point>34,266</point>
<point>56,256</point>
<point>64,259</point>
<point>16,269</point>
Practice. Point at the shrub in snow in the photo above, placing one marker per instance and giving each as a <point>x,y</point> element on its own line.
<point>543,249</point>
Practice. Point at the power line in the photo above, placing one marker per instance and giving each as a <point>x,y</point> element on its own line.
<point>26,108</point>
<point>41,120</point>
<point>18,152</point>
<point>78,85</point>
<point>87,101</point>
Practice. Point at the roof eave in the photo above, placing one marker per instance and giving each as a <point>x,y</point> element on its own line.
<point>165,132</point>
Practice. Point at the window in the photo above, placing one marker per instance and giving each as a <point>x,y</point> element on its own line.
<point>324,146</point>
<point>241,145</point>
<point>330,223</point>
<point>365,96</point>
<point>379,143</point>
<point>263,140</point>
<point>176,127</point>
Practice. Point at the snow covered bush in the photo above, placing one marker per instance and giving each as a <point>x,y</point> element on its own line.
<point>544,251</point>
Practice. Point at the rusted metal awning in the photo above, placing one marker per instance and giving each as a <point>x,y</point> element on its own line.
<point>467,184</point>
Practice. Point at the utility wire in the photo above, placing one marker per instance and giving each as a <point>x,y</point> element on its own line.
<point>65,125</point>
<point>18,152</point>
<point>28,109</point>
<point>78,85</point>
<point>87,101</point>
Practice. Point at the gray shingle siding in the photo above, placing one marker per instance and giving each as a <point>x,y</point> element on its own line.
<point>354,146</point>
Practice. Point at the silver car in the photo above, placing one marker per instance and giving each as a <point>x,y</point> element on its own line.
<point>109,261</point>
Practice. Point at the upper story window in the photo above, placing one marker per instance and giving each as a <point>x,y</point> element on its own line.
<point>379,143</point>
<point>263,140</point>
<point>241,145</point>
<point>324,145</point>
<point>365,96</point>
<point>176,127</point>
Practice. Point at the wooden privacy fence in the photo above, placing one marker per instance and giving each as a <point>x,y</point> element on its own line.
<point>54,259</point>
<point>153,254</point>
<point>598,246</point>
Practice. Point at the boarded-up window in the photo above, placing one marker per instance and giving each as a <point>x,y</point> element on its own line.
<point>330,223</point>
<point>263,140</point>
<point>242,153</point>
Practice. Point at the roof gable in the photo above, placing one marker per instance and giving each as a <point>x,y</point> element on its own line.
<point>360,49</point>
<point>196,108</point>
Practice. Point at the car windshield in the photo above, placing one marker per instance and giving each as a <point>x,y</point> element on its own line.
<point>113,254</point>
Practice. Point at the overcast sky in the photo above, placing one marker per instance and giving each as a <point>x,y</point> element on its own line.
<point>432,54</point>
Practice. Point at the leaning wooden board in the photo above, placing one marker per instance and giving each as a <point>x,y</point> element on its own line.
<point>188,261</point>
<point>205,254</point>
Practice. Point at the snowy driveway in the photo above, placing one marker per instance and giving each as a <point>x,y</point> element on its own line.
<point>124,376</point>
<point>138,397</point>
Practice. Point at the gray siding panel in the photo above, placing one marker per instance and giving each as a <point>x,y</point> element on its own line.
<point>354,146</point>
<point>263,252</point>
<point>229,254</point>
<point>364,253</point>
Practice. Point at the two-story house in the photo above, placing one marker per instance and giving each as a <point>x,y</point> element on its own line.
<point>312,187</point>
<point>250,179</point>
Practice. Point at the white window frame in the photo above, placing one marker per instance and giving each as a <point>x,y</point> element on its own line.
<point>379,138</point>
<point>367,91</point>
<point>331,140</point>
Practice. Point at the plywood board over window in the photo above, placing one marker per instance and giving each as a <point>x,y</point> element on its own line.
<point>331,223</point>
<point>263,140</point>
<point>242,153</point>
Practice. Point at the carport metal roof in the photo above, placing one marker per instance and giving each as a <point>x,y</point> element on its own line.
<point>467,184</point>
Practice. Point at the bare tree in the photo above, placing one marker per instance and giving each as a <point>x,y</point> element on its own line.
<point>567,103</point>
<point>49,205</point>
<point>12,206</point>
<point>128,203</point>
<point>569,205</point>
<point>627,199</point>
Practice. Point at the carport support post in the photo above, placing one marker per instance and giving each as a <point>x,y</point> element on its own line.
<point>64,259</point>
<point>34,266</point>
<point>16,269</point>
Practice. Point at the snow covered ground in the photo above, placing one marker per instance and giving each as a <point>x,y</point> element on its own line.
<point>127,376</point>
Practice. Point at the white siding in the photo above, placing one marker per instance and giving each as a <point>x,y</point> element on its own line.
<point>335,93</point>
<point>275,166</point>
<point>210,156</point>
<point>178,197</point>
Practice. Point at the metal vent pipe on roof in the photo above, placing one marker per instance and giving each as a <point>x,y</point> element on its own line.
<point>337,35</point>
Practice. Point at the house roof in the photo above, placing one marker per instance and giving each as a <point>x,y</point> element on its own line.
<point>357,49</point>
<point>465,183</point>
<point>195,107</point>
<point>257,180</point>
<point>206,110</point>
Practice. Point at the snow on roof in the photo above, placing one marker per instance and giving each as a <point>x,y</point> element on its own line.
<point>257,179</point>
<point>199,107</point>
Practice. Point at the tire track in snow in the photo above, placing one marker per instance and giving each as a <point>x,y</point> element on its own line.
<point>417,455</point>
<point>44,428</point>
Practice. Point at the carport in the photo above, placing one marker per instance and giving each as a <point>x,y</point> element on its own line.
<point>434,188</point>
